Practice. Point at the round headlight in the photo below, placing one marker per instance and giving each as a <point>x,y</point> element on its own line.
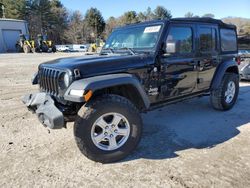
<point>64,80</point>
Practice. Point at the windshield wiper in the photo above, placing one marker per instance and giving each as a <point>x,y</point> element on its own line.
<point>129,49</point>
<point>109,49</point>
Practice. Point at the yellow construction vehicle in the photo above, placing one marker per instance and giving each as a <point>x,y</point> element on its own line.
<point>95,47</point>
<point>24,44</point>
<point>92,47</point>
<point>44,45</point>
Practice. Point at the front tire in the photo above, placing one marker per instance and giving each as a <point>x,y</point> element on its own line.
<point>19,48</point>
<point>33,50</point>
<point>26,48</point>
<point>226,95</point>
<point>108,129</point>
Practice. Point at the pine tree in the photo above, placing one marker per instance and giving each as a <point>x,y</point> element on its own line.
<point>129,18</point>
<point>95,21</point>
<point>58,21</point>
<point>15,9</point>
<point>162,13</point>
<point>1,10</point>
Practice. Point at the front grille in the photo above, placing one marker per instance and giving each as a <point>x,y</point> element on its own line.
<point>48,80</point>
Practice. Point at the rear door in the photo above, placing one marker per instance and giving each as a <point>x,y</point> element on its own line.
<point>207,54</point>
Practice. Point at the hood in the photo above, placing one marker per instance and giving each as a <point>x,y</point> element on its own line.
<point>93,65</point>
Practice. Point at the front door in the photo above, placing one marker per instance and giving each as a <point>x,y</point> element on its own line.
<point>179,66</point>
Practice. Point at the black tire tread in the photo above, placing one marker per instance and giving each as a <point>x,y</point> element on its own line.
<point>216,95</point>
<point>88,109</point>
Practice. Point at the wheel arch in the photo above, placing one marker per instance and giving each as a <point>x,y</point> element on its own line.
<point>128,91</point>
<point>225,67</point>
<point>125,85</point>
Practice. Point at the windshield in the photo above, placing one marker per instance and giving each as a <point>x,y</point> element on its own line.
<point>135,38</point>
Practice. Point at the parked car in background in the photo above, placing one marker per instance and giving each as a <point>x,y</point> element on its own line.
<point>79,48</point>
<point>244,69</point>
<point>244,52</point>
<point>244,66</point>
<point>72,48</point>
<point>62,48</point>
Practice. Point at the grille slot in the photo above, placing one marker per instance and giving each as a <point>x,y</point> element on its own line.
<point>48,80</point>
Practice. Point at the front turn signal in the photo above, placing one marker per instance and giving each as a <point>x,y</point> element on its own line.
<point>88,95</point>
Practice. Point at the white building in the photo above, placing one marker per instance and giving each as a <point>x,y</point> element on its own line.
<point>10,30</point>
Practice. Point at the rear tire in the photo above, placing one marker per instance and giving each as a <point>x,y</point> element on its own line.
<point>226,95</point>
<point>88,127</point>
<point>54,49</point>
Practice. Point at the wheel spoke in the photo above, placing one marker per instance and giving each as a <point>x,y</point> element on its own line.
<point>107,128</point>
<point>102,123</point>
<point>233,88</point>
<point>226,93</point>
<point>230,92</point>
<point>122,131</point>
<point>99,137</point>
<point>116,120</point>
<point>112,142</point>
<point>230,87</point>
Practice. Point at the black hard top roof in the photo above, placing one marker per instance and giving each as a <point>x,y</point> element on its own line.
<point>189,20</point>
<point>205,20</point>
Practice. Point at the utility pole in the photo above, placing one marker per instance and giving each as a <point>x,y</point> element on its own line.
<point>3,11</point>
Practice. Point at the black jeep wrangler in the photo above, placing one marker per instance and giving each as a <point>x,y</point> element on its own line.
<point>141,67</point>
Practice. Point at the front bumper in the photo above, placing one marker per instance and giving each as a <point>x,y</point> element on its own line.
<point>43,105</point>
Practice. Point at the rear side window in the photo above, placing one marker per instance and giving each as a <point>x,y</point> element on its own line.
<point>228,40</point>
<point>182,38</point>
<point>207,39</point>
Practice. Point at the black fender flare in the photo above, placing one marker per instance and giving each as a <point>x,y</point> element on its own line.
<point>105,81</point>
<point>220,71</point>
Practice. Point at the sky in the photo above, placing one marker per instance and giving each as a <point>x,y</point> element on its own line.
<point>178,8</point>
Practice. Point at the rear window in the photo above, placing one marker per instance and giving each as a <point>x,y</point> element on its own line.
<point>207,39</point>
<point>228,40</point>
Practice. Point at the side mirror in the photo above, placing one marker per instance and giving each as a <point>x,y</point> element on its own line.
<point>171,47</point>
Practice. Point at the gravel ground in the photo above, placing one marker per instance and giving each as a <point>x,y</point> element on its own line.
<point>184,145</point>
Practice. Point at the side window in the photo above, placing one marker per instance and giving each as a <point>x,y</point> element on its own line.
<point>228,40</point>
<point>207,39</point>
<point>181,39</point>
